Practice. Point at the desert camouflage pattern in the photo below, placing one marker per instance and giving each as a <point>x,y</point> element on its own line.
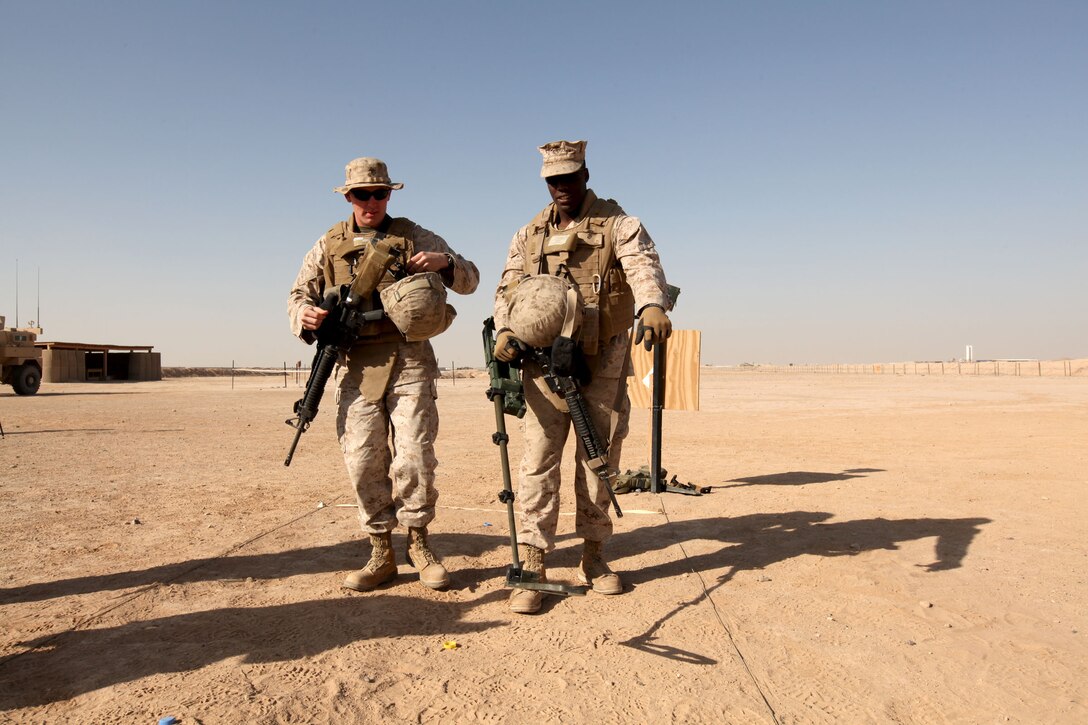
<point>561,157</point>
<point>546,424</point>
<point>366,172</point>
<point>546,427</point>
<point>417,306</point>
<point>539,307</point>
<point>309,286</point>
<point>635,252</point>
<point>391,483</point>
<point>390,488</point>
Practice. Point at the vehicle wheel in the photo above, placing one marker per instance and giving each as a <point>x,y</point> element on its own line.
<point>26,379</point>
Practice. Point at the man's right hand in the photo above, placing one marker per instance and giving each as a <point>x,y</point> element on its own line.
<point>312,317</point>
<point>506,348</point>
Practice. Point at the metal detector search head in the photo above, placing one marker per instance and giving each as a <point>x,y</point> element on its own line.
<point>518,578</point>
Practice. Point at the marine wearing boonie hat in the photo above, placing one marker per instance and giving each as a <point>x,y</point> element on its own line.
<point>366,172</point>
<point>562,157</point>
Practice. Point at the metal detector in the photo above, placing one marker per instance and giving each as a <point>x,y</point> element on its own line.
<point>508,396</point>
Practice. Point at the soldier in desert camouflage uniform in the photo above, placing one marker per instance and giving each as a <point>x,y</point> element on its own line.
<point>385,381</point>
<point>611,260</point>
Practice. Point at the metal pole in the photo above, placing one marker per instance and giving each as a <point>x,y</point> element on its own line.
<point>500,439</point>
<point>656,484</point>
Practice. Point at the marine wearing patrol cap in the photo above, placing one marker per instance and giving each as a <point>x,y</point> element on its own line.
<point>562,157</point>
<point>366,172</point>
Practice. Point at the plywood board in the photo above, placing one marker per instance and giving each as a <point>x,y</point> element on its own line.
<point>682,353</point>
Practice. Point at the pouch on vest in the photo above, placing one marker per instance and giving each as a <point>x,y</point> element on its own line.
<point>568,360</point>
<point>560,243</point>
<point>590,330</point>
<point>509,287</point>
<point>380,256</point>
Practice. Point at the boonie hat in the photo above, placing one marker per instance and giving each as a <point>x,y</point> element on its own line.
<point>417,306</point>
<point>541,308</point>
<point>562,157</point>
<point>366,171</point>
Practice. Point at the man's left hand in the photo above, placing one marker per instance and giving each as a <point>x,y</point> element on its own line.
<point>653,326</point>
<point>428,262</point>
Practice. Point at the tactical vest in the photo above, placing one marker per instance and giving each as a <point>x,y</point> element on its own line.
<point>345,250</point>
<point>588,259</point>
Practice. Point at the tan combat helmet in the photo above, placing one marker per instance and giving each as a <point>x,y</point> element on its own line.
<point>542,308</point>
<point>417,306</point>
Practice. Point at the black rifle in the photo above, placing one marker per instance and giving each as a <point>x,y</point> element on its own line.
<point>562,379</point>
<point>340,330</point>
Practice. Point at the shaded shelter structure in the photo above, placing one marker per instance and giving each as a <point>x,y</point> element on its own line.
<point>77,362</point>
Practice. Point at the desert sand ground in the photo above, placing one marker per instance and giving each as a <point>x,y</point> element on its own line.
<point>875,549</point>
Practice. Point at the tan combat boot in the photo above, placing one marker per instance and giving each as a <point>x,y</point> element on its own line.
<point>381,568</point>
<point>594,571</point>
<point>527,601</point>
<point>431,572</point>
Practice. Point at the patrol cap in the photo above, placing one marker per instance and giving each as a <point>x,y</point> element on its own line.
<point>366,171</point>
<point>417,306</point>
<point>539,308</point>
<point>562,157</point>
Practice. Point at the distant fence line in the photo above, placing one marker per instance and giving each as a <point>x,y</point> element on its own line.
<point>1017,368</point>
<point>287,375</point>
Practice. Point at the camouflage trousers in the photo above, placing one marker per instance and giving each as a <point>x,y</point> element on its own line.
<point>393,479</point>
<point>546,428</point>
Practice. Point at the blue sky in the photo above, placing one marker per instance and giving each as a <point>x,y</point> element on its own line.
<point>826,182</point>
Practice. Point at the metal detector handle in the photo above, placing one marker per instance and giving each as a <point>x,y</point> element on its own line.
<point>506,496</point>
<point>504,386</point>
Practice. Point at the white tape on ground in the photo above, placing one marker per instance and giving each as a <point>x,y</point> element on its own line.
<point>502,511</point>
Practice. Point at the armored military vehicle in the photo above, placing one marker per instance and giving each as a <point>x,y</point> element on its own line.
<point>20,361</point>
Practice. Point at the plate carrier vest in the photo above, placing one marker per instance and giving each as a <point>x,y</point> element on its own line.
<point>608,303</point>
<point>345,250</point>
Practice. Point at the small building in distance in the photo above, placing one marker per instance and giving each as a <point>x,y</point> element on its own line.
<point>79,362</point>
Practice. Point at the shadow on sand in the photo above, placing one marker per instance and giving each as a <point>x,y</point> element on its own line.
<point>756,541</point>
<point>279,565</point>
<point>63,665</point>
<point>79,661</point>
<point>799,478</point>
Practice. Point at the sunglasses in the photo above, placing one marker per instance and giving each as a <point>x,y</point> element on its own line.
<point>366,195</point>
